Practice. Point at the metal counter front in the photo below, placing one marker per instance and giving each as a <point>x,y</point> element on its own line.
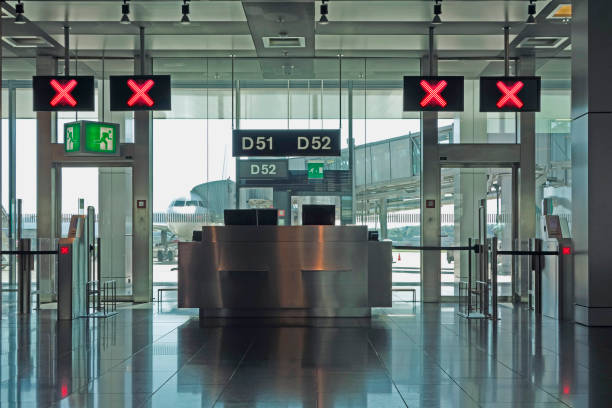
<point>284,271</point>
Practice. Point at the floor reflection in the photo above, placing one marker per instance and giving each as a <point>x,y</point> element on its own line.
<point>411,355</point>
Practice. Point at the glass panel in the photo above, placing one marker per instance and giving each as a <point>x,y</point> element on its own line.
<point>471,125</point>
<point>553,141</point>
<point>387,161</point>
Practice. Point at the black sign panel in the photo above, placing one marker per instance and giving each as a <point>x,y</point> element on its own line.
<point>140,92</point>
<point>263,169</point>
<point>313,142</point>
<point>433,93</point>
<point>62,93</point>
<point>510,94</point>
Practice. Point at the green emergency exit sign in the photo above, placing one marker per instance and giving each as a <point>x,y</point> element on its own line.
<point>315,170</point>
<point>91,138</point>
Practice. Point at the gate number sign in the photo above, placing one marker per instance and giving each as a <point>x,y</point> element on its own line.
<point>510,94</point>
<point>313,142</point>
<point>432,93</point>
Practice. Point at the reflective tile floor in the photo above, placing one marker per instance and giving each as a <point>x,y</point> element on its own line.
<point>412,355</point>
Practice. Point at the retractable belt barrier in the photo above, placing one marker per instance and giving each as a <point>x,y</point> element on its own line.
<point>24,271</point>
<point>485,287</point>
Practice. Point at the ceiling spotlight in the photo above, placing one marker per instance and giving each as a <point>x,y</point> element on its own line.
<point>185,11</point>
<point>125,10</point>
<point>437,11</point>
<point>323,20</point>
<point>19,18</point>
<point>531,10</point>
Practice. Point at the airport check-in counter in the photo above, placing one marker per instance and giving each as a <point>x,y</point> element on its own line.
<point>284,271</point>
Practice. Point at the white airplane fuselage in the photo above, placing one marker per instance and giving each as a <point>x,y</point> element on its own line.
<point>185,215</point>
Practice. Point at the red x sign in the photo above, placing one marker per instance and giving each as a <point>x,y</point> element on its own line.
<point>510,97</point>
<point>433,96</point>
<point>140,92</point>
<point>63,96</point>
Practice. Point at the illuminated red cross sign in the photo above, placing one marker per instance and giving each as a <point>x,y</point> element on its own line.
<point>140,95</point>
<point>428,93</point>
<point>433,97</point>
<point>509,94</point>
<point>63,93</point>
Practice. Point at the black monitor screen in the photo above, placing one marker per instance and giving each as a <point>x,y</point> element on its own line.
<point>240,217</point>
<point>315,214</point>
<point>267,216</point>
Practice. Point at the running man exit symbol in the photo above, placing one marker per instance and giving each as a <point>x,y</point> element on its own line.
<point>315,170</point>
<point>107,139</point>
<point>72,137</point>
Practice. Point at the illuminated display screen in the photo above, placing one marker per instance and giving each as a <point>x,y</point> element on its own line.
<point>315,142</point>
<point>510,94</point>
<point>61,93</point>
<point>433,93</point>
<point>140,92</point>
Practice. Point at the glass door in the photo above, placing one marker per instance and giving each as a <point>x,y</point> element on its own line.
<point>109,191</point>
<point>463,190</point>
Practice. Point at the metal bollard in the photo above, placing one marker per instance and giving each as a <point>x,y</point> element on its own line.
<point>538,275</point>
<point>494,278</point>
<point>24,278</point>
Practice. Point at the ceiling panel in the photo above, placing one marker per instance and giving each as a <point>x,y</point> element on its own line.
<point>423,10</point>
<point>410,42</point>
<point>140,10</point>
<point>159,42</point>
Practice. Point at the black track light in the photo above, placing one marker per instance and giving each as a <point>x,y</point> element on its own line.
<point>185,10</point>
<point>19,18</point>
<point>324,10</point>
<point>125,10</point>
<point>531,10</point>
<point>437,11</point>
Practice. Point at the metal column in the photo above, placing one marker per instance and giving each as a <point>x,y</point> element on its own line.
<point>430,192</point>
<point>142,188</point>
<point>48,204</point>
<point>527,204</point>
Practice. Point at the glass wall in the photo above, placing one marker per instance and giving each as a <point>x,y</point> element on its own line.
<point>471,125</point>
<point>376,184</point>
<point>553,141</point>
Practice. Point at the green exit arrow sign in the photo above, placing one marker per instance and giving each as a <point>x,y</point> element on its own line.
<point>89,138</point>
<point>315,170</point>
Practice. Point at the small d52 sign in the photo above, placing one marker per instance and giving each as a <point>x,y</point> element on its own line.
<point>315,142</point>
<point>263,169</point>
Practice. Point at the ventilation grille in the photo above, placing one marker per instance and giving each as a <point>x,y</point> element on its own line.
<point>27,41</point>
<point>542,42</point>
<point>284,42</point>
